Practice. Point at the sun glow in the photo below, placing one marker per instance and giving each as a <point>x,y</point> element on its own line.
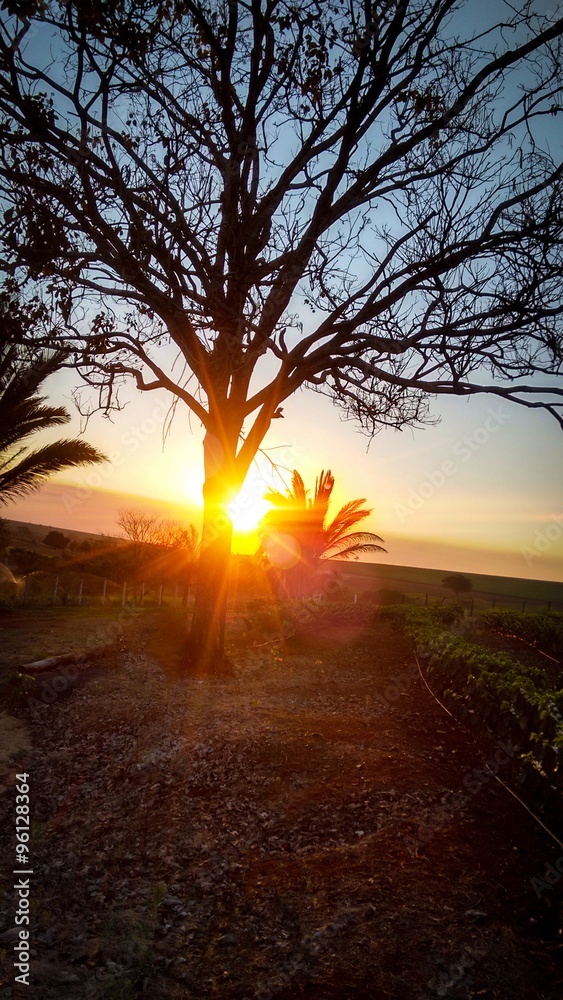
<point>247,509</point>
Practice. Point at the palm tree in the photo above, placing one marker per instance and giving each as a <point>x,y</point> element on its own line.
<point>297,535</point>
<point>23,412</point>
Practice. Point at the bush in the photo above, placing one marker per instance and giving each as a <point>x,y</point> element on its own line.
<point>388,597</point>
<point>541,629</point>
<point>457,582</point>
<point>56,540</point>
<point>265,621</point>
<point>257,604</point>
<point>25,561</point>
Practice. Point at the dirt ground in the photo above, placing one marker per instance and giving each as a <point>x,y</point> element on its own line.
<point>28,634</point>
<point>317,827</point>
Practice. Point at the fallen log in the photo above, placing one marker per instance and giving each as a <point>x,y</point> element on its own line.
<point>38,666</point>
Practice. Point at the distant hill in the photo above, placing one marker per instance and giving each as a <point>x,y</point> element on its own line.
<point>364,576</point>
<point>28,535</point>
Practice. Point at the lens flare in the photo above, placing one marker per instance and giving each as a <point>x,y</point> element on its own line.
<point>283,551</point>
<point>247,510</point>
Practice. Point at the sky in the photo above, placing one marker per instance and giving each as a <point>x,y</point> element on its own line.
<point>482,491</point>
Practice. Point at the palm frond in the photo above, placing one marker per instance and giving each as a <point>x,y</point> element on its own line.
<point>346,518</point>
<point>353,544</point>
<point>306,522</point>
<point>278,499</point>
<point>30,472</point>
<point>26,372</point>
<point>18,422</point>
<point>324,486</point>
<point>23,412</point>
<point>298,490</point>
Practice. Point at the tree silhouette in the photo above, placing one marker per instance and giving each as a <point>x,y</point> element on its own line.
<point>159,550</point>
<point>56,540</point>
<point>24,413</point>
<point>297,533</point>
<point>244,199</point>
<point>177,549</point>
<point>26,561</point>
<point>457,582</point>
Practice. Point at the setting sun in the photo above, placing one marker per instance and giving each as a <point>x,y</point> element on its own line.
<point>247,510</point>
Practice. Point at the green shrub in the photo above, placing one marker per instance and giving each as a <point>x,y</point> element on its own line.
<point>510,700</point>
<point>541,629</point>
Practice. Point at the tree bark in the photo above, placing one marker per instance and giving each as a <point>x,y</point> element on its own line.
<point>205,651</point>
<point>38,666</point>
<point>206,645</point>
<point>186,587</point>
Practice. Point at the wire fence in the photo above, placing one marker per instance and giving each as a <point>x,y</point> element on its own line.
<point>69,588</point>
<point>477,602</point>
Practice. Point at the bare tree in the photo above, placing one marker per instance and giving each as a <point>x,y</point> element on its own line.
<point>139,529</point>
<point>137,526</point>
<point>160,550</point>
<point>176,559</point>
<point>232,200</point>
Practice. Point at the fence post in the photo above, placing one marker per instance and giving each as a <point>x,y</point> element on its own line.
<point>55,589</point>
<point>160,596</point>
<point>426,600</point>
<point>124,598</point>
<point>549,605</point>
<point>142,593</point>
<point>26,588</point>
<point>80,590</point>
<point>471,608</point>
<point>523,605</point>
<point>104,592</point>
<point>355,598</point>
<point>494,602</point>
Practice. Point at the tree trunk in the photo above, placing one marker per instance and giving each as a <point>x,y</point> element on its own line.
<point>207,635</point>
<point>205,653</point>
<point>186,587</point>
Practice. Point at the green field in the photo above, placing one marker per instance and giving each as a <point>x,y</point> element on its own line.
<point>363,576</point>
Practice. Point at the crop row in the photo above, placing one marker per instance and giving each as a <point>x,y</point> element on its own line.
<point>496,693</point>
<point>545,631</point>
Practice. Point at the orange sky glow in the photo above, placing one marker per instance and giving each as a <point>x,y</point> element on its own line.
<point>480,492</point>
